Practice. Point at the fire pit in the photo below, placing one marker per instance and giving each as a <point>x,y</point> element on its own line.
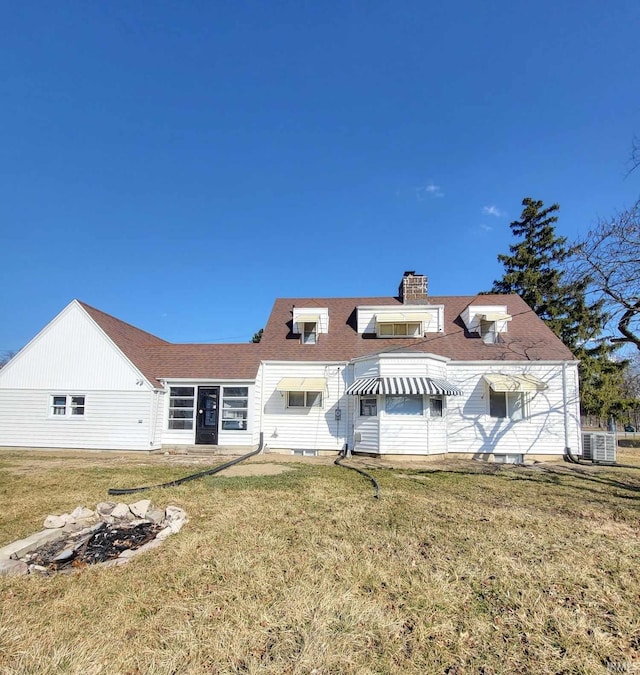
<point>110,535</point>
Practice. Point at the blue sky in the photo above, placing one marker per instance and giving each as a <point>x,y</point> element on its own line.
<point>180,165</point>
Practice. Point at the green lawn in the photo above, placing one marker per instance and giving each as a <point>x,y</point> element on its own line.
<point>458,568</point>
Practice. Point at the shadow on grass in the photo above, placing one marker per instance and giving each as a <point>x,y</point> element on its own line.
<point>570,476</point>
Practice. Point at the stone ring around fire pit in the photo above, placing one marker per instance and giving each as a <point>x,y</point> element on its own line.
<point>110,535</point>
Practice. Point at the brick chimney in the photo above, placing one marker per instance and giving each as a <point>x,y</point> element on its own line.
<point>413,289</point>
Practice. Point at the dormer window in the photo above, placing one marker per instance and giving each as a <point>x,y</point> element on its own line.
<point>309,332</point>
<point>489,322</point>
<point>309,323</point>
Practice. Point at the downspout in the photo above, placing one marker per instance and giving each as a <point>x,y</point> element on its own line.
<point>155,399</point>
<point>260,417</point>
<point>567,447</point>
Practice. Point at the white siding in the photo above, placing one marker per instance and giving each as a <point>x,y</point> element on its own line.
<point>368,368</point>
<point>313,429</point>
<point>71,353</point>
<point>411,366</point>
<point>367,430</point>
<point>112,420</point>
<point>404,434</point>
<point>472,430</point>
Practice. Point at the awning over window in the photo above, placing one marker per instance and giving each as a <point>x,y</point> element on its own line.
<point>403,317</point>
<point>368,386</point>
<point>307,318</point>
<point>302,384</point>
<point>515,382</point>
<point>496,316</point>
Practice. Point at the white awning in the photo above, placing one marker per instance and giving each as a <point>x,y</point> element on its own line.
<point>302,384</point>
<point>515,383</point>
<point>368,386</point>
<point>496,316</point>
<point>402,317</point>
<point>307,318</point>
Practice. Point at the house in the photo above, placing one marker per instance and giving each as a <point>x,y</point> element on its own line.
<point>414,374</point>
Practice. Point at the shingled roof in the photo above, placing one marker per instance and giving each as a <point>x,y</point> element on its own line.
<point>156,358</point>
<point>528,337</point>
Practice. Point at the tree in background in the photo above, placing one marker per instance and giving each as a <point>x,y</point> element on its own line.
<point>257,336</point>
<point>536,270</point>
<point>6,356</point>
<point>609,255</point>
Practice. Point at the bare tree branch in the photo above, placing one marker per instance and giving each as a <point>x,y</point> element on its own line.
<point>610,256</point>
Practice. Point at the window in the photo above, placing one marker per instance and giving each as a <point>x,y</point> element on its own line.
<point>403,405</point>
<point>309,333</point>
<point>368,406</point>
<point>399,330</point>
<point>436,406</point>
<point>67,405</point>
<point>507,405</point>
<point>235,408</point>
<point>489,332</point>
<point>181,408</point>
<point>304,399</point>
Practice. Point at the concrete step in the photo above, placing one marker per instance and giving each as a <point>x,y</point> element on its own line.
<point>209,450</point>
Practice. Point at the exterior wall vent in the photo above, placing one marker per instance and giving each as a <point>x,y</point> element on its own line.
<point>599,446</point>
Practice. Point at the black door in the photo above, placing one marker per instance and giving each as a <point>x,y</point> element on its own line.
<point>207,416</point>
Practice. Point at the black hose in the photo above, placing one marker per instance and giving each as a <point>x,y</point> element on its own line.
<point>376,487</point>
<point>193,476</point>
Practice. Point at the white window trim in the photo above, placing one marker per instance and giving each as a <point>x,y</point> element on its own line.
<point>524,405</point>
<point>69,406</point>
<point>224,397</point>
<point>362,398</point>
<point>185,419</point>
<point>305,407</point>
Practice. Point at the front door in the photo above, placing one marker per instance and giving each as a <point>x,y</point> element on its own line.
<point>207,416</point>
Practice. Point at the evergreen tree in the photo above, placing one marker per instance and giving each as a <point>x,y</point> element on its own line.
<point>535,270</point>
<point>257,336</point>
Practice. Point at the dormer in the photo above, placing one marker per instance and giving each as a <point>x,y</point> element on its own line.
<point>487,321</point>
<point>310,322</point>
<point>394,321</point>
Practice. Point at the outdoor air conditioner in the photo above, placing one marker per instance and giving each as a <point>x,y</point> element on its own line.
<point>599,446</point>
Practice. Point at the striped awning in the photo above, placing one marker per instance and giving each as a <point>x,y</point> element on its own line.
<point>368,386</point>
<point>302,384</point>
<point>507,383</point>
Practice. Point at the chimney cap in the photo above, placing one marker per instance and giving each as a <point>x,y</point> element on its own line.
<point>410,273</point>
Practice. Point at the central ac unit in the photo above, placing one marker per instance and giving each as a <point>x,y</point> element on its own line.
<point>599,446</point>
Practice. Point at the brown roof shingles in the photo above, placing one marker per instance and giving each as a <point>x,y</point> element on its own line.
<point>527,338</point>
<point>156,358</point>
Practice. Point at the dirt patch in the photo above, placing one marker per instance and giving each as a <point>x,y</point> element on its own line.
<point>255,470</point>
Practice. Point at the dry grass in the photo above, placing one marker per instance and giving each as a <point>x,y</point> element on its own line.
<point>464,568</point>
